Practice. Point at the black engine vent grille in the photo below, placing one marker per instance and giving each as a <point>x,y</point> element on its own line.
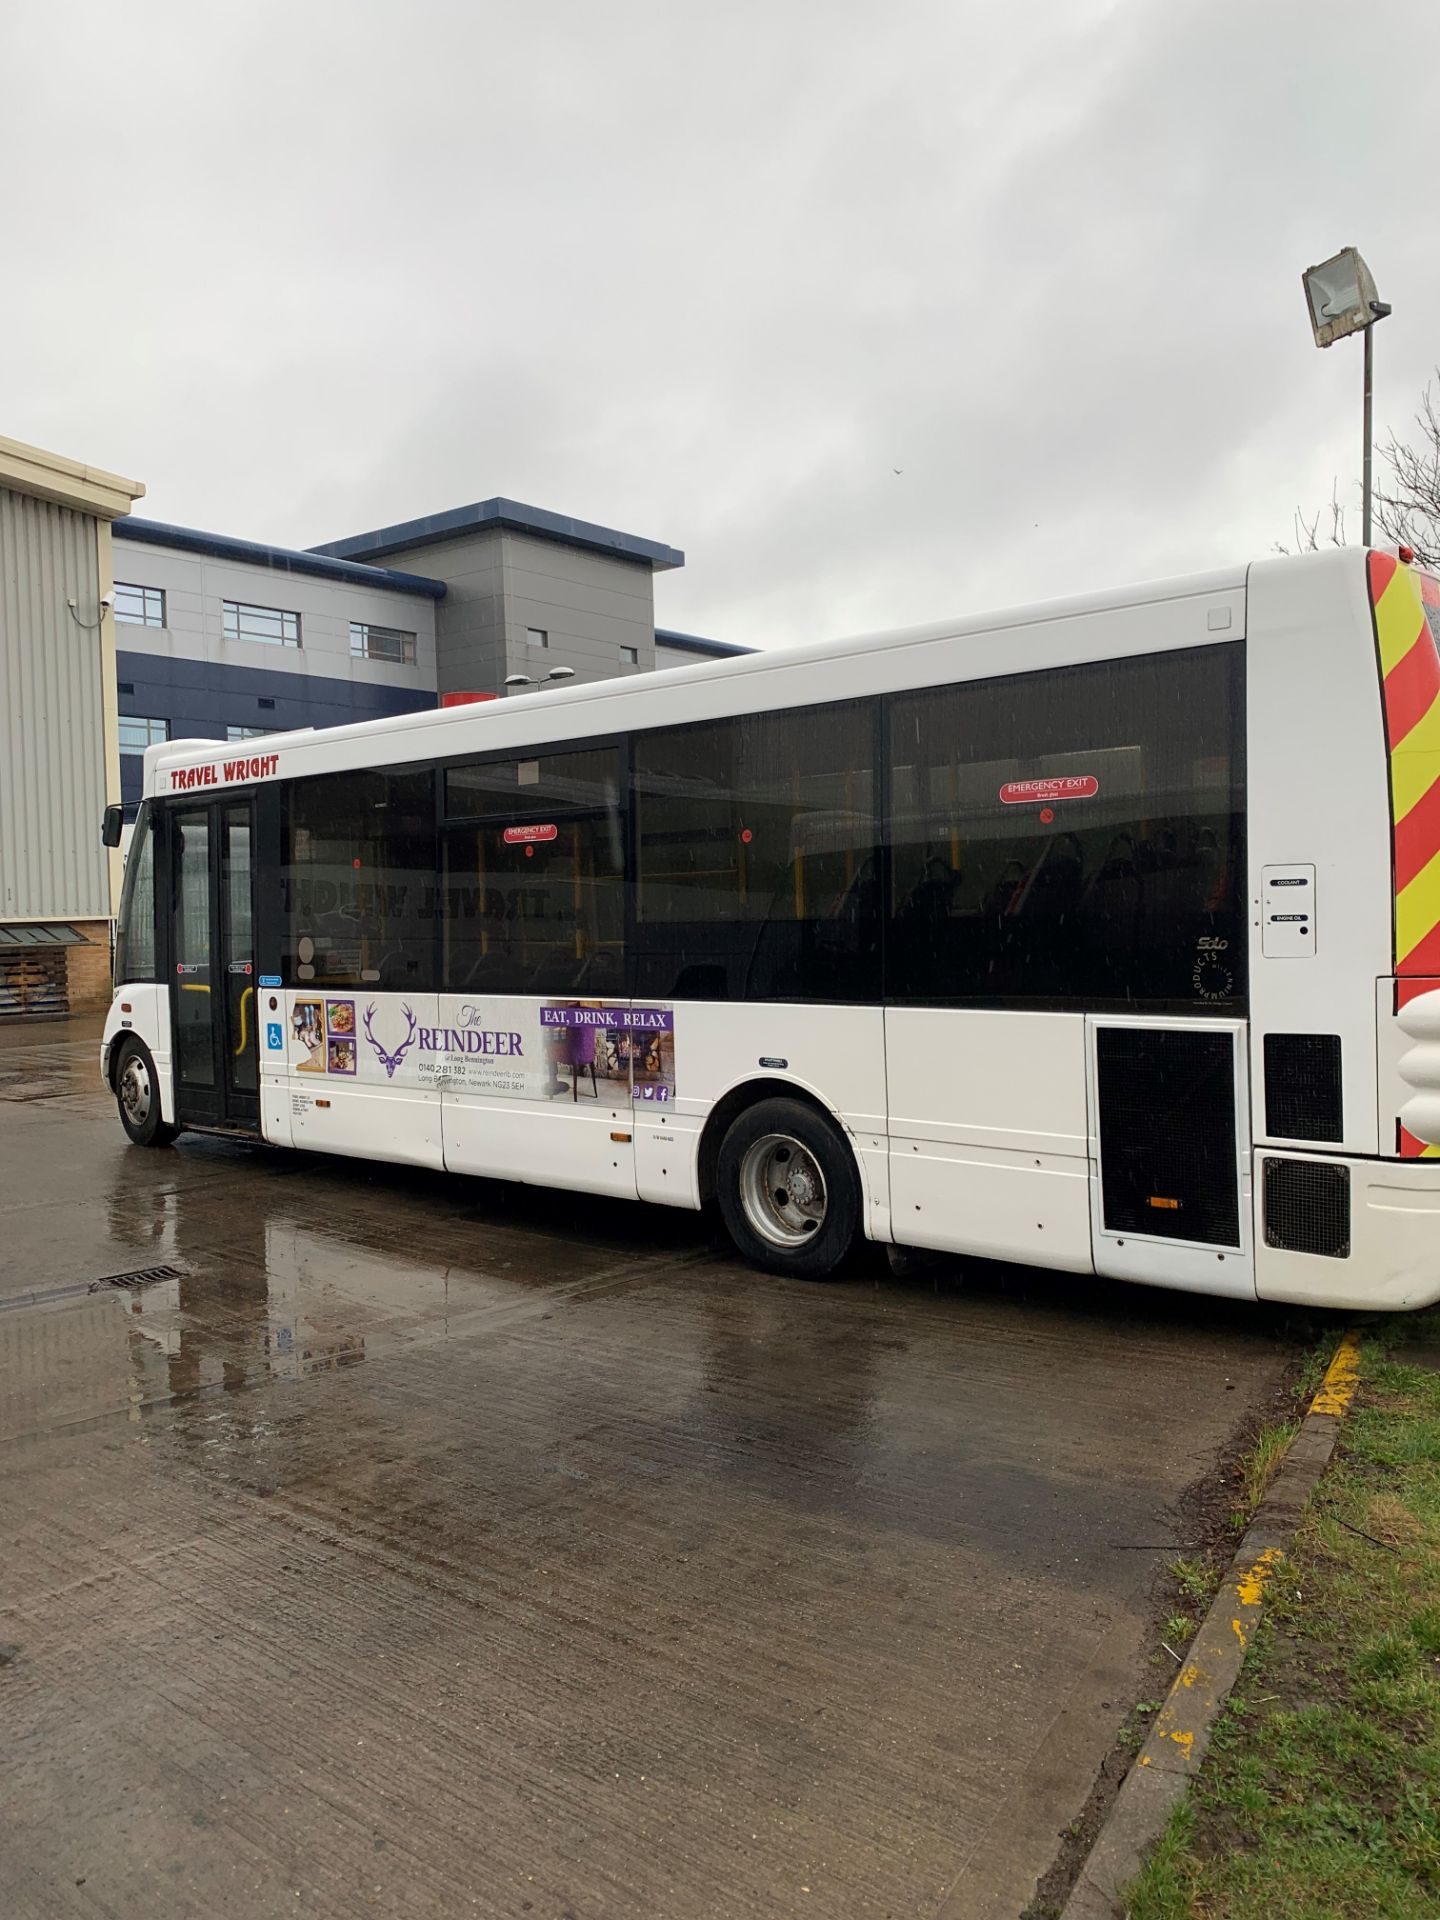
<point>1302,1086</point>
<point>1307,1208</point>
<point>1167,1133</point>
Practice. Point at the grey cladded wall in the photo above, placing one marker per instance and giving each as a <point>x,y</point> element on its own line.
<point>189,675</point>
<point>499,584</point>
<point>52,724</point>
<point>196,587</point>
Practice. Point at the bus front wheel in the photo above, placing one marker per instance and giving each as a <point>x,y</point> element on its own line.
<point>788,1189</point>
<point>137,1094</point>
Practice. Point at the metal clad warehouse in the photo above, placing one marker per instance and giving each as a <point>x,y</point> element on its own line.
<point>59,762</point>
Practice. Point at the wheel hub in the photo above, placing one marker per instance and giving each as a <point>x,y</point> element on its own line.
<point>135,1091</point>
<point>782,1190</point>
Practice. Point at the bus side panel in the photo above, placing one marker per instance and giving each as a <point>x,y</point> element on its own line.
<point>545,1143</point>
<point>365,1124</point>
<point>542,1109</point>
<point>835,1054</point>
<point>341,1098</point>
<point>275,1096</point>
<point>989,1134</point>
<point>149,1019</point>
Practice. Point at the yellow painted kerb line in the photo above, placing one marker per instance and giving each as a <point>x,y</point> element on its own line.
<point>1342,1377</point>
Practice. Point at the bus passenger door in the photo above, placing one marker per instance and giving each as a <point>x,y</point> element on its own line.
<point>213,965</point>
<point>240,1043</point>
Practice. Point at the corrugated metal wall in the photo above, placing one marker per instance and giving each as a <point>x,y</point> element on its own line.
<point>52,738</point>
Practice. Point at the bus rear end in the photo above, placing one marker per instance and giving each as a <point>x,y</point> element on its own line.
<point>1344,816</point>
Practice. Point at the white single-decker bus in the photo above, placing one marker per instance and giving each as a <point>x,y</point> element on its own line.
<point>1102,935</point>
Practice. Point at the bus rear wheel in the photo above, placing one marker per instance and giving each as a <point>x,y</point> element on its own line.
<point>137,1094</point>
<point>788,1189</point>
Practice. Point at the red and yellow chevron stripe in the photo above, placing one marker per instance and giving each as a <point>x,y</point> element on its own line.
<point>1410,669</point>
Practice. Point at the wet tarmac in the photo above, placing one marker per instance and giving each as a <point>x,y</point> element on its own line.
<point>372,1541</point>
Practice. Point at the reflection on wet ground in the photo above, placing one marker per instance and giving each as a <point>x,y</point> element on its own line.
<point>427,1546</point>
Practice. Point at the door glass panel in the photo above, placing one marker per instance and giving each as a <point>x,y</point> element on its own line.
<point>241,1053</point>
<point>194,1051</point>
<point>135,930</point>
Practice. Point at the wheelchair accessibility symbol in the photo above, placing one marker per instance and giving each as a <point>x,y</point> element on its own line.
<point>273,1035</point>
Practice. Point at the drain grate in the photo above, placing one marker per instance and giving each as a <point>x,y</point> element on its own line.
<point>141,1277</point>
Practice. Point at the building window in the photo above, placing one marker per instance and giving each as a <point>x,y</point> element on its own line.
<point>537,637</point>
<point>137,734</point>
<point>271,626</point>
<point>369,642</point>
<point>249,733</point>
<point>139,606</point>
<point>630,656</point>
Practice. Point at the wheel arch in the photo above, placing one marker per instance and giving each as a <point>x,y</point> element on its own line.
<point>749,1093</point>
<point>116,1048</point>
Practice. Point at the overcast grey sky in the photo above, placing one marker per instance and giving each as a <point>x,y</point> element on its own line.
<point>709,273</point>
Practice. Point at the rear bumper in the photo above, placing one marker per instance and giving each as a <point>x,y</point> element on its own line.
<point>1393,1264</point>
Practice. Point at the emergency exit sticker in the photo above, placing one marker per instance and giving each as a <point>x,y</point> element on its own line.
<point>522,836</point>
<point>1063,786</point>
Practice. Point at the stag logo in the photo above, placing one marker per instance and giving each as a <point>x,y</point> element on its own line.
<point>390,1061</point>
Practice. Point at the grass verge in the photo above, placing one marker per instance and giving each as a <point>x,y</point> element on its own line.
<point>1320,1798</point>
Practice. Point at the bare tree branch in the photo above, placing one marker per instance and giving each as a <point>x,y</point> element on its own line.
<point>1307,532</point>
<point>1409,509</point>
<point>1407,505</point>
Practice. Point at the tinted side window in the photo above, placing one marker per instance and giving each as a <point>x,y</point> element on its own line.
<point>536,909</point>
<point>358,883</point>
<point>757,858</point>
<point>135,927</point>
<point>1072,837</point>
<point>543,781</point>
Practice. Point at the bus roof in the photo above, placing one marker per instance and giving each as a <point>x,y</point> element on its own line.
<point>675,695</point>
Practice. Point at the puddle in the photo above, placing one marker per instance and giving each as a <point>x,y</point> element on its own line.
<point>305,1303</point>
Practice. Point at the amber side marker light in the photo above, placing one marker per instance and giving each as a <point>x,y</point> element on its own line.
<point>1171,1206</point>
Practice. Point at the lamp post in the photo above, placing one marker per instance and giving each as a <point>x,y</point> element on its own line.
<point>1340,293</point>
<point>517,680</point>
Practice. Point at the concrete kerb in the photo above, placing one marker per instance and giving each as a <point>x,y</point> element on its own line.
<point>1171,1756</point>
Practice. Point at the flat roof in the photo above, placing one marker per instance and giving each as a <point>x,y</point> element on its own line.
<point>40,933</point>
<point>483,516</point>
<point>70,483</point>
<point>696,643</point>
<point>223,546</point>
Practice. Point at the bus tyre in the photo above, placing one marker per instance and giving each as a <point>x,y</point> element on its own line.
<point>788,1188</point>
<point>137,1093</point>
